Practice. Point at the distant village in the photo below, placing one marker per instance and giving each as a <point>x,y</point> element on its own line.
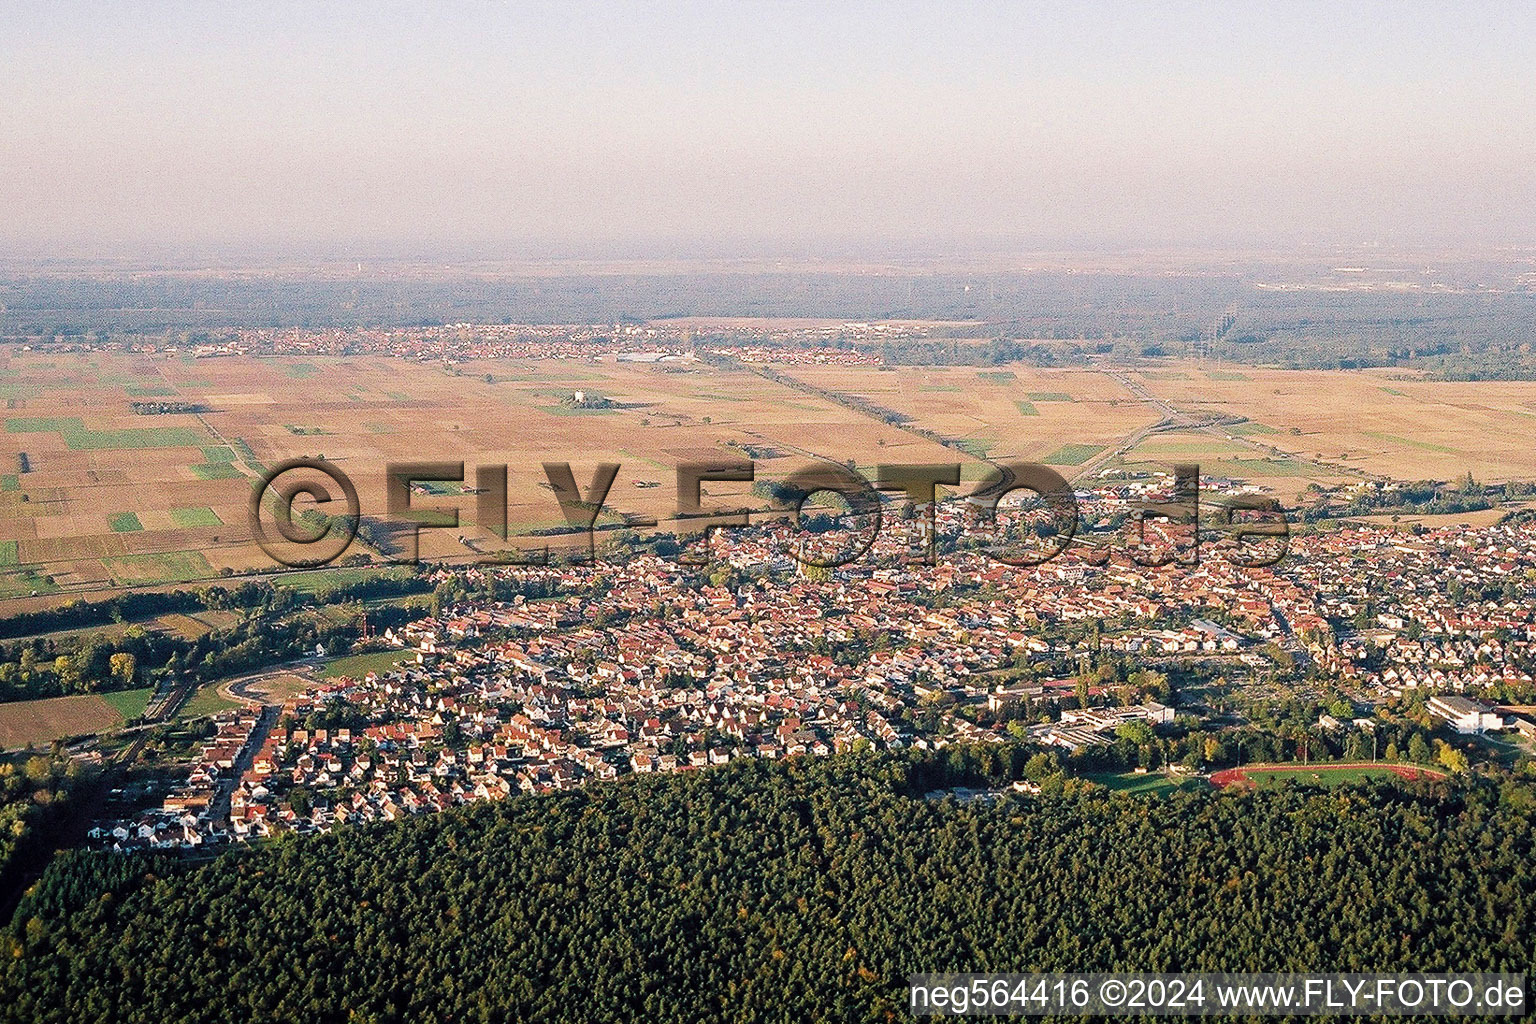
<point>829,343</point>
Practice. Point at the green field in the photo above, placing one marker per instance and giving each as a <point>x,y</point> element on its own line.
<point>216,471</point>
<point>125,522</point>
<point>1258,468</point>
<point>248,455</point>
<point>1330,775</point>
<point>22,583</point>
<point>978,447</point>
<point>77,437</point>
<point>218,453</point>
<point>206,701</point>
<point>1321,775</point>
<point>150,569</point>
<point>566,410</point>
<point>1411,443</point>
<point>129,703</point>
<point>1027,408</point>
<point>315,580</point>
<point>442,488</point>
<point>9,552</point>
<point>10,482</point>
<point>1073,454</point>
<point>1151,782</point>
<point>196,517</point>
<point>998,376</point>
<point>359,665</point>
<point>1050,396</point>
<point>1245,429</point>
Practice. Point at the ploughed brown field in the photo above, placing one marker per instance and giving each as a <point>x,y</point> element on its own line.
<point>39,722</point>
<point>94,496</point>
<point>112,498</point>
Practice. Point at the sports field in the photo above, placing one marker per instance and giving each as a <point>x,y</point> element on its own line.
<point>359,665</point>
<point>1319,774</point>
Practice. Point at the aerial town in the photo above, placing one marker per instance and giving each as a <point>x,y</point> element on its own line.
<point>645,663</point>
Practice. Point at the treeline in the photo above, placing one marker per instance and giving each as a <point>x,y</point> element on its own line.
<point>1420,497</point>
<point>97,663</point>
<point>805,891</point>
<point>36,791</point>
<point>166,408</point>
<point>272,627</point>
<point>992,352</point>
<point>1466,332</point>
<point>81,614</point>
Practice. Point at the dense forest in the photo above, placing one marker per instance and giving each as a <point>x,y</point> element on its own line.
<point>799,891</point>
<point>36,792</point>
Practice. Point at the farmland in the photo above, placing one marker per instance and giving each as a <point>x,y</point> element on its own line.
<point>110,498</point>
<point>1282,429</point>
<point>40,722</point>
<point>1386,422</point>
<point>1061,417</point>
<point>96,496</point>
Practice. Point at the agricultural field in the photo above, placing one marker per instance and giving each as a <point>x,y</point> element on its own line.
<point>1295,428</point>
<point>107,498</point>
<point>1060,417</point>
<point>40,722</point>
<point>94,496</point>
<point>1221,455</point>
<point>190,627</point>
<point>1384,422</point>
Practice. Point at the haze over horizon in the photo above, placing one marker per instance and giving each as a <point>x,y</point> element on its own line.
<point>680,130</point>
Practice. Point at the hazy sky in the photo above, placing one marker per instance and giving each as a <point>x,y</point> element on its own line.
<point>673,127</point>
